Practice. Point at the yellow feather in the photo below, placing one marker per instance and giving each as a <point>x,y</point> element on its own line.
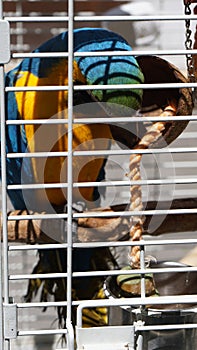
<point>53,104</point>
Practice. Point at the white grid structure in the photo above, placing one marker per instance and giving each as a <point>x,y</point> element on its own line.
<point>183,151</point>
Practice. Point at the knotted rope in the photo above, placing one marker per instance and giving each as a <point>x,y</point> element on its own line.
<point>137,221</point>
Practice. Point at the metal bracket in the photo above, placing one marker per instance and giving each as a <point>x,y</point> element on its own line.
<point>10,321</point>
<point>4,42</point>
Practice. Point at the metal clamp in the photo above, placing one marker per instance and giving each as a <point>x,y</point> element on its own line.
<point>5,42</point>
<point>10,321</point>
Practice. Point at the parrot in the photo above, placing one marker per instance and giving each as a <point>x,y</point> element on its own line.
<point>44,104</point>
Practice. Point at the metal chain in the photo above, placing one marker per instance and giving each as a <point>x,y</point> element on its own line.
<point>189,46</point>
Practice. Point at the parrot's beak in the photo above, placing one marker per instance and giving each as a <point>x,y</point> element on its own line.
<point>126,134</point>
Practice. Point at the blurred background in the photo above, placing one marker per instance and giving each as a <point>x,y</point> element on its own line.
<point>141,35</point>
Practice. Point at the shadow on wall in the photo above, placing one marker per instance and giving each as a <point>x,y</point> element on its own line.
<point>44,342</point>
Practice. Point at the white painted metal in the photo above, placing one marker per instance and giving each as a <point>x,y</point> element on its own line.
<point>5,42</point>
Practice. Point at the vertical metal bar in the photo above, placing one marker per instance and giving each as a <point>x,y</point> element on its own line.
<point>142,265</point>
<point>1,304</point>
<point>1,9</point>
<point>1,300</point>
<point>143,292</point>
<point>4,194</point>
<point>70,175</point>
<point>1,271</point>
<point>4,273</point>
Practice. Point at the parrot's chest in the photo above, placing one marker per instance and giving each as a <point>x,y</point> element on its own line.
<point>51,137</point>
<point>54,169</point>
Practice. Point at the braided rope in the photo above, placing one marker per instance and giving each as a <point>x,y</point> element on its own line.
<point>137,221</point>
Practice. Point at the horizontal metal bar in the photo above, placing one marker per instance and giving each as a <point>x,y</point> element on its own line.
<point>137,86</point>
<point>104,214</point>
<point>90,120</point>
<point>102,273</point>
<point>39,186</point>
<point>37,154</point>
<point>155,52</point>
<point>102,244</point>
<point>54,275</point>
<point>42,332</point>
<point>38,88</point>
<point>50,121</point>
<point>137,182</point>
<point>102,87</point>
<point>104,152</point>
<point>134,18</point>
<point>17,55</point>
<point>37,275</point>
<point>36,19</point>
<point>135,52</point>
<point>25,247</point>
<point>37,216</point>
<point>98,244</point>
<point>131,119</point>
<point>43,304</point>
<point>100,18</point>
<point>111,183</point>
<point>134,213</point>
<point>164,327</point>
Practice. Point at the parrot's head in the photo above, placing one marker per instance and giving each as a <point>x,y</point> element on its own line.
<point>111,70</point>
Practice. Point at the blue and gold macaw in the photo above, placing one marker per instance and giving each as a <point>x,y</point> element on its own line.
<point>44,104</point>
<point>31,105</point>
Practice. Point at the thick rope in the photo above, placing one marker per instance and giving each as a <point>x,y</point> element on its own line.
<point>137,221</point>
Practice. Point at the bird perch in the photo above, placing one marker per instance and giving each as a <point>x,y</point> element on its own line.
<point>106,228</point>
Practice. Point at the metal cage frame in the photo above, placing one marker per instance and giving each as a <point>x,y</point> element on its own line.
<point>110,337</point>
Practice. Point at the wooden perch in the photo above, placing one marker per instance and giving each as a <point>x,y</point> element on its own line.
<point>104,229</point>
